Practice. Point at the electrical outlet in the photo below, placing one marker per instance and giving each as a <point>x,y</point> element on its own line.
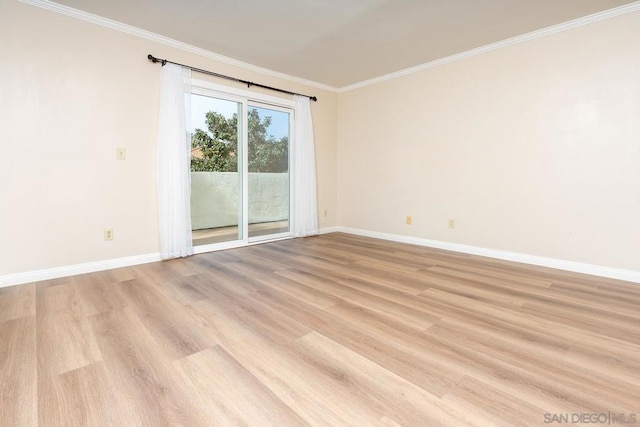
<point>108,234</point>
<point>409,220</point>
<point>121,153</point>
<point>452,223</point>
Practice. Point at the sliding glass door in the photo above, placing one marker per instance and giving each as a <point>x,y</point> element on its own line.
<point>269,185</point>
<point>240,163</point>
<point>216,170</point>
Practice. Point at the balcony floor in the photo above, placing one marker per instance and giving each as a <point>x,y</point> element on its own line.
<point>209,236</point>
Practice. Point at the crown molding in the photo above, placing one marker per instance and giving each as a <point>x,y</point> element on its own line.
<point>129,29</point>
<point>554,29</point>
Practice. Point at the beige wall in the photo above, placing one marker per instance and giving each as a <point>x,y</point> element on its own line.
<point>70,93</point>
<point>533,148</point>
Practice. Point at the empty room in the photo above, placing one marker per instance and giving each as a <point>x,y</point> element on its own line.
<point>325,213</point>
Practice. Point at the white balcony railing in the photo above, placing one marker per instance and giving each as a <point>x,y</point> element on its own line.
<point>214,198</point>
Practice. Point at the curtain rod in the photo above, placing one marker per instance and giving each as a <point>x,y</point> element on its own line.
<point>222,76</point>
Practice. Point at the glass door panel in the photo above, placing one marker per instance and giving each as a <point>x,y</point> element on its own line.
<point>216,170</point>
<point>268,167</point>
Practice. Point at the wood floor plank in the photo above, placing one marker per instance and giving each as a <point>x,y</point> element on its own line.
<point>495,323</point>
<point>142,374</point>
<point>316,393</point>
<point>184,289</point>
<point>371,334</point>
<point>441,301</point>
<point>387,422</point>
<point>541,392</point>
<point>330,330</point>
<point>481,267</point>
<point>238,283</point>
<point>18,374</point>
<point>499,289</point>
<point>65,339</point>
<point>411,317</point>
<point>82,397</point>
<point>611,393</point>
<point>394,395</point>
<point>628,329</point>
<point>410,282</point>
<point>260,318</point>
<point>96,295</point>
<point>484,277</point>
<point>164,320</point>
<point>471,289</point>
<point>311,296</point>
<point>483,402</point>
<point>17,302</point>
<point>224,385</point>
<point>609,297</point>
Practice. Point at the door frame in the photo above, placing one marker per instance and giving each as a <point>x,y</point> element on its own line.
<point>245,97</point>
<point>290,111</point>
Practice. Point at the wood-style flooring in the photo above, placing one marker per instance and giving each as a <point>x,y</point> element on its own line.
<point>332,330</point>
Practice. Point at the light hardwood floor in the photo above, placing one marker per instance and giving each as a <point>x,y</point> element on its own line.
<point>330,330</point>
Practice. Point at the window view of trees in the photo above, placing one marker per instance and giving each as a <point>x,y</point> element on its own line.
<point>216,148</point>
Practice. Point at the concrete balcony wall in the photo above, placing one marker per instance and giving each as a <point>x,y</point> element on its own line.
<point>214,198</point>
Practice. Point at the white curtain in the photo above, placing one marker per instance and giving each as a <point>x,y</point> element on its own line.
<point>173,157</point>
<point>304,218</point>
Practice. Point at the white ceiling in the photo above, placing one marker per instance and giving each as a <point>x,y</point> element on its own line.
<point>340,42</point>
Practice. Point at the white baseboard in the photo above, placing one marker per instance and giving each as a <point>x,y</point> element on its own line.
<point>90,267</point>
<point>327,230</point>
<point>595,270</point>
<point>70,270</point>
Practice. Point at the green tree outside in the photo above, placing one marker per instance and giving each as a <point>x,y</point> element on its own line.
<point>217,148</point>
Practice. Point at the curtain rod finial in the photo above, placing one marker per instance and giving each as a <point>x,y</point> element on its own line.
<point>155,60</point>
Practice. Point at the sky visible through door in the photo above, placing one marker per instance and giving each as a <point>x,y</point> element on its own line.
<point>201,105</point>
